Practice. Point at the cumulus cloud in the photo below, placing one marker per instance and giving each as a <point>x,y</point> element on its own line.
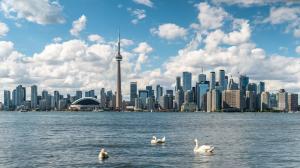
<point>143,50</point>
<point>211,17</point>
<point>96,38</point>
<point>3,29</point>
<point>297,49</point>
<point>169,31</point>
<point>289,15</point>
<point>37,11</point>
<point>126,42</point>
<point>57,39</point>
<point>78,25</point>
<point>247,3</point>
<point>138,14</point>
<point>148,3</point>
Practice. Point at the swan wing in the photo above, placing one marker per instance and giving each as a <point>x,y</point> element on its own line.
<point>207,148</point>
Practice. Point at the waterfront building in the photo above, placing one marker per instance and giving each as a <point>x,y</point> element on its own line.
<point>62,104</point>
<point>119,91</point>
<point>150,103</point>
<point>213,100</point>
<point>188,105</point>
<point>179,98</point>
<point>293,102</point>
<point>84,104</point>
<point>282,100</point>
<point>273,101</point>
<point>221,79</point>
<point>243,83</point>
<point>260,87</point>
<point>178,83</point>
<point>143,94</point>
<point>20,95</point>
<point>226,82</point>
<point>159,92</point>
<point>201,78</point>
<point>212,81</point>
<point>265,101</point>
<point>133,92</point>
<point>90,93</point>
<point>232,85</point>
<point>78,94</point>
<point>56,98</point>
<point>7,104</point>
<point>252,87</point>
<point>251,101</point>
<point>150,91</point>
<point>187,81</point>
<point>34,94</point>
<point>232,100</point>
<point>202,89</point>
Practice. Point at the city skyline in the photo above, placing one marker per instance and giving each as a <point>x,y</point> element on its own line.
<point>67,50</point>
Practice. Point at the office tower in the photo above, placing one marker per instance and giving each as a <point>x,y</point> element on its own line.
<point>166,102</point>
<point>119,92</point>
<point>34,94</point>
<point>20,95</point>
<point>14,99</point>
<point>232,100</point>
<point>7,100</point>
<point>159,92</point>
<point>243,82</point>
<point>201,78</point>
<point>56,99</point>
<point>188,105</point>
<point>179,98</point>
<point>150,103</point>
<point>226,82</point>
<point>251,101</point>
<point>133,92</point>
<point>292,102</point>
<point>90,93</point>
<point>265,101</point>
<point>178,83</point>
<point>62,104</point>
<point>188,96</point>
<point>252,87</point>
<point>78,94</point>
<point>212,81</point>
<point>143,94</point>
<point>232,85</point>
<point>260,87</point>
<point>213,100</point>
<point>273,101</point>
<point>169,92</point>
<point>221,79</point>
<point>44,94</point>
<point>202,89</point>
<point>150,91</point>
<point>103,98</point>
<point>282,100</point>
<point>187,81</point>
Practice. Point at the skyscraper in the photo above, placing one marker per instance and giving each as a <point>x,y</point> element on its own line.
<point>201,78</point>
<point>221,79</point>
<point>187,81</point>
<point>150,91</point>
<point>243,83</point>
<point>7,104</point>
<point>133,92</point>
<point>282,100</point>
<point>34,95</point>
<point>292,102</point>
<point>265,101</point>
<point>159,92</point>
<point>202,89</point>
<point>103,98</point>
<point>56,98</point>
<point>260,87</point>
<point>78,94</point>
<point>212,81</point>
<point>119,91</point>
<point>178,83</point>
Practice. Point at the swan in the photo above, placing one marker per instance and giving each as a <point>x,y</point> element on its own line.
<point>103,154</point>
<point>158,141</point>
<point>203,148</point>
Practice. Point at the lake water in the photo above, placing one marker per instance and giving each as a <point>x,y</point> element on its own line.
<point>73,139</point>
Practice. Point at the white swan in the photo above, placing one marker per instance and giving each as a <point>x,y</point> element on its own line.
<point>203,148</point>
<point>103,154</point>
<point>158,141</point>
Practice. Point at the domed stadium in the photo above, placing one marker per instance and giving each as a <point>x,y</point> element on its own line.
<point>85,104</point>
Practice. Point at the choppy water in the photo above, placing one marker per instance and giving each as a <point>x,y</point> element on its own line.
<point>73,139</point>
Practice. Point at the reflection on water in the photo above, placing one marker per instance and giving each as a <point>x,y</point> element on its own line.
<point>65,139</point>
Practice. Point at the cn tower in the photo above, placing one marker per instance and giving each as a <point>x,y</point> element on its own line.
<point>119,92</point>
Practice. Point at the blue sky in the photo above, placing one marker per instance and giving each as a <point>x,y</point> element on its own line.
<point>245,34</point>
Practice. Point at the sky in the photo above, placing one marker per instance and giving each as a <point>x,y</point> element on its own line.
<point>70,45</point>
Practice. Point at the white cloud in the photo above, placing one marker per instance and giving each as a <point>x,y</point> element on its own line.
<point>247,3</point>
<point>143,50</point>
<point>37,11</point>
<point>78,25</point>
<point>57,39</point>
<point>138,14</point>
<point>3,29</point>
<point>242,35</point>
<point>148,3</point>
<point>126,42</point>
<point>211,17</point>
<point>96,38</point>
<point>297,49</point>
<point>289,15</point>
<point>169,31</point>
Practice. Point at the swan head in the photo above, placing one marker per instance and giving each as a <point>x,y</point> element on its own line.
<point>154,137</point>
<point>196,140</point>
<point>102,150</point>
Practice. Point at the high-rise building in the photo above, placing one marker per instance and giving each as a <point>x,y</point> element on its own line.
<point>169,92</point>
<point>252,87</point>
<point>34,94</point>
<point>201,78</point>
<point>90,93</point>
<point>251,101</point>
<point>265,101</point>
<point>232,100</point>
<point>103,98</point>
<point>56,98</point>
<point>187,81</point>
<point>243,83</point>
<point>222,82</point>
<point>178,83</point>
<point>78,94</point>
<point>159,92</point>
<point>143,94</point>
<point>260,87</point>
<point>212,81</point>
<point>14,99</point>
<point>119,92</point>
<point>232,85</point>
<point>282,100</point>
<point>7,100</point>
<point>292,102</point>
<point>202,89</point>
<point>179,98</point>
<point>213,100</point>
<point>20,95</point>
<point>150,91</point>
<point>133,92</point>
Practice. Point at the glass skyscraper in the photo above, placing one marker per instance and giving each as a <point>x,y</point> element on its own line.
<point>187,81</point>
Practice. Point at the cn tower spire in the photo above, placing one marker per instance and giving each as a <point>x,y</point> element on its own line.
<point>119,90</point>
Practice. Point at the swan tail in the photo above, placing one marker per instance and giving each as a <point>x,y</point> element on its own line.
<point>163,139</point>
<point>211,149</point>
